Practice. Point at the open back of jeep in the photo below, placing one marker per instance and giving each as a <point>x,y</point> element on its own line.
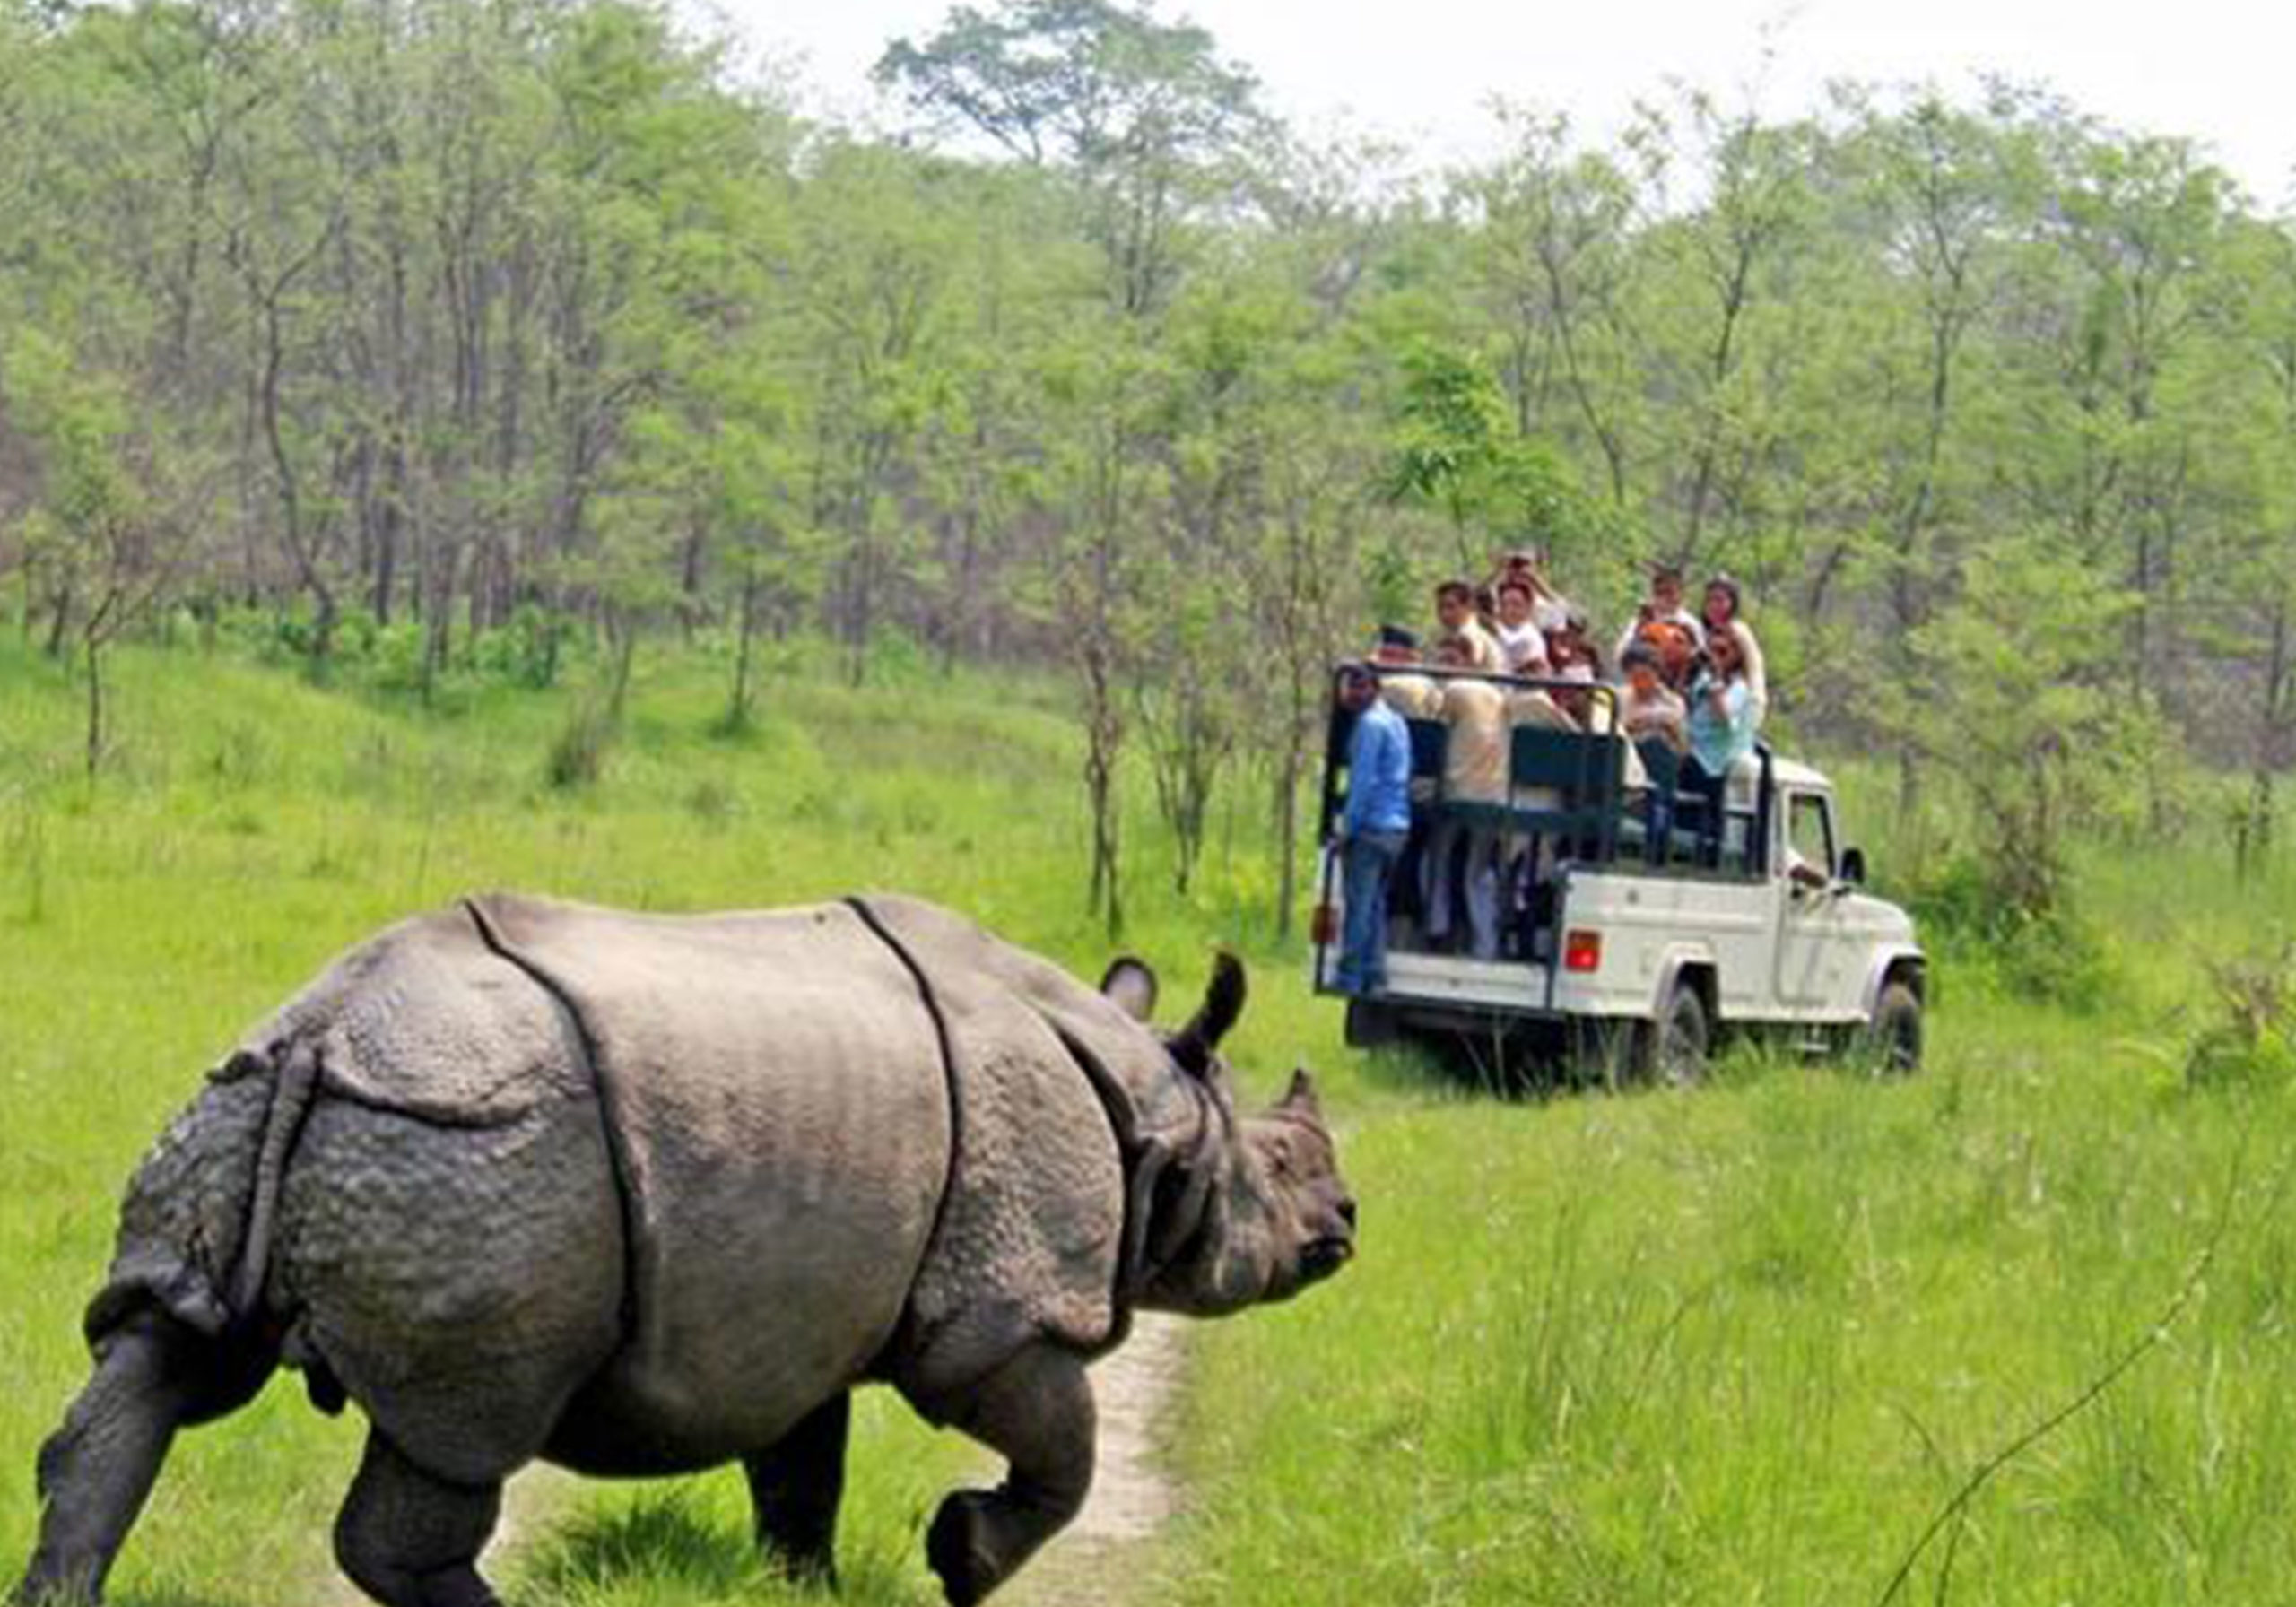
<point>1632,915</point>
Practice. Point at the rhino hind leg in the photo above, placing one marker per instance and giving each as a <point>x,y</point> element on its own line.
<point>1037,1411</point>
<point>154,1375</point>
<point>796,1486</point>
<point>411,1538</point>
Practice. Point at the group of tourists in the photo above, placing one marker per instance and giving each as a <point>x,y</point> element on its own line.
<point>1513,652</point>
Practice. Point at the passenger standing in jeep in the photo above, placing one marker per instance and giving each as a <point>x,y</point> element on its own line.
<point>1474,771</point>
<point>1721,728</point>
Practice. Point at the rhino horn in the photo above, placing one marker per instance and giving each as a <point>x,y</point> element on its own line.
<point>1131,982</point>
<point>1223,1001</point>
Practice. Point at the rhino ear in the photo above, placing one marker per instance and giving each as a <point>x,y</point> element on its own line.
<point>1301,1094</point>
<point>1130,982</point>
<point>1223,1001</point>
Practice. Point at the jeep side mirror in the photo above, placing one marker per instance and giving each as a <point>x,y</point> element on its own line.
<point>1852,867</point>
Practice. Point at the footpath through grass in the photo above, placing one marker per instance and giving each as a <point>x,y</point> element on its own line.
<point>1736,1345</point>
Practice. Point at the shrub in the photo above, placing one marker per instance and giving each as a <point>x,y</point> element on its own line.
<point>2254,1040</point>
<point>1981,929</point>
<point>577,754</point>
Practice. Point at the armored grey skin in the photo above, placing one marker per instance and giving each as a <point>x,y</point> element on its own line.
<point>647,1194</point>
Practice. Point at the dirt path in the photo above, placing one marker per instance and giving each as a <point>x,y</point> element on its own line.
<point>1098,1558</point>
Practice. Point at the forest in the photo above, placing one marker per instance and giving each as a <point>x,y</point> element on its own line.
<point>527,444</point>
<point>432,340</point>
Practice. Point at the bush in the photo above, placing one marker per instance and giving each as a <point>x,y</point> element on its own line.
<point>2254,1042</point>
<point>1982,930</point>
<point>577,754</point>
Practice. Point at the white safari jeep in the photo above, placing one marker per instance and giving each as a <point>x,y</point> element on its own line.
<point>1632,946</point>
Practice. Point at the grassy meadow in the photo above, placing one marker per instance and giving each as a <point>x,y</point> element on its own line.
<point>1736,1345</point>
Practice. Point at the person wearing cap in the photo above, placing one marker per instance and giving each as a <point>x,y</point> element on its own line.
<point>1724,608</point>
<point>1661,610</point>
<point>1413,697</point>
<point>1372,827</point>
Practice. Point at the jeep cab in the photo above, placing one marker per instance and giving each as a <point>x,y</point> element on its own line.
<point>1635,925</point>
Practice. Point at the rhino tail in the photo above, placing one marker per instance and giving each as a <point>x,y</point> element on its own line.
<point>295,1081</point>
<point>197,1232</point>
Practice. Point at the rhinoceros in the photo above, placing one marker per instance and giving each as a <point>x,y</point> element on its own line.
<point>647,1195</point>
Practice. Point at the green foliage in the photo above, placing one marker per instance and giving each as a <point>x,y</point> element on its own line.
<point>2253,1042</point>
<point>578,753</point>
<point>1742,1341</point>
<point>456,340</point>
<point>1456,450</point>
<point>2020,695</point>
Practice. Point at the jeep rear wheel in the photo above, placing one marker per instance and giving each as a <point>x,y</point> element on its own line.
<point>1893,1040</point>
<point>1673,1048</point>
<point>1371,1025</point>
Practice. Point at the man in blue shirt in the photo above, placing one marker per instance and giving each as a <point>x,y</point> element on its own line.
<point>1372,829</point>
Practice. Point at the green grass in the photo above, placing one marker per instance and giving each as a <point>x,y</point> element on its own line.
<point>1736,1345</point>
<point>248,826</point>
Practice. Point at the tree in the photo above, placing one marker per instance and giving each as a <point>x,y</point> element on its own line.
<point>1554,254</point>
<point>2016,698</point>
<point>101,528</point>
<point>1147,122</point>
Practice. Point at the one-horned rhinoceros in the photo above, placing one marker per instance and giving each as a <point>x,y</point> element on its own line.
<point>646,1195</point>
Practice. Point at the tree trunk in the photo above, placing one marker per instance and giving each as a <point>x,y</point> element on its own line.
<point>737,713</point>
<point>95,652</point>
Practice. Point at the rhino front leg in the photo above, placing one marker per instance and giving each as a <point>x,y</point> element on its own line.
<point>411,1538</point>
<point>1037,1409</point>
<point>96,1470</point>
<point>796,1486</point>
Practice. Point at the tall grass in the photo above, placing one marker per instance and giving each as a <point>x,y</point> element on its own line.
<point>1742,1345</point>
<point>1738,1345</point>
<point>250,826</point>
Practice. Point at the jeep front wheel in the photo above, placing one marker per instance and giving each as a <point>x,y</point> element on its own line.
<point>1893,1045</point>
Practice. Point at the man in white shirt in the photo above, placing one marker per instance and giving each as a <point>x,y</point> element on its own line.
<point>1455,610</point>
<point>1549,607</point>
<point>1663,606</point>
<point>1522,646</point>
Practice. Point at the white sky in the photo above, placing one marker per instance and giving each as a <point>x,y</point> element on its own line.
<point>2219,71</point>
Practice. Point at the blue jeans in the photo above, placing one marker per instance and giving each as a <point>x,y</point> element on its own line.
<point>1367,866</point>
<point>1713,794</point>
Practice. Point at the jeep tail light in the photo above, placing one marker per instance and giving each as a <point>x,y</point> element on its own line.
<point>1582,951</point>
<point>1323,931</point>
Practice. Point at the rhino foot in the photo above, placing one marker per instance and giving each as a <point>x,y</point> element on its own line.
<point>796,1486</point>
<point>956,1551</point>
<point>1036,1409</point>
<point>411,1538</point>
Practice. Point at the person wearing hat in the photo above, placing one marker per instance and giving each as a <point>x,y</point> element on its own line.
<point>1372,827</point>
<point>1413,697</point>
